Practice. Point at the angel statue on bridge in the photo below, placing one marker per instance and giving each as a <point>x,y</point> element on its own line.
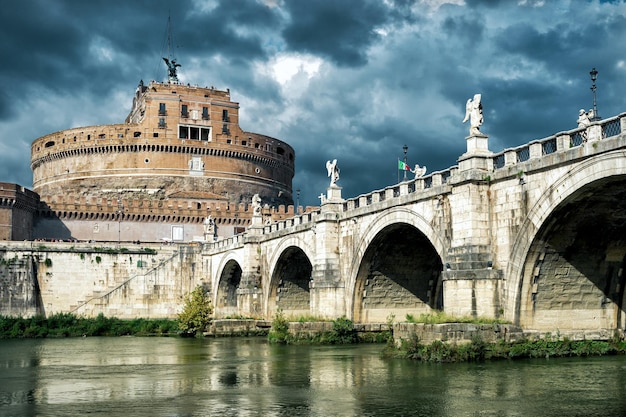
<point>474,112</point>
<point>256,205</point>
<point>333,172</point>
<point>419,171</point>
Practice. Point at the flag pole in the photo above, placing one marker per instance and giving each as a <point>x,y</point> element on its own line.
<point>397,170</point>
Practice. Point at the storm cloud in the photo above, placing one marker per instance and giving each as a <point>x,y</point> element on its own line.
<point>347,80</point>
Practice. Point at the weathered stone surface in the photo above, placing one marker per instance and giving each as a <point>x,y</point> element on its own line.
<point>537,241</point>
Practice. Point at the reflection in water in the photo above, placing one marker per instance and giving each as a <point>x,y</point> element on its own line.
<point>247,377</point>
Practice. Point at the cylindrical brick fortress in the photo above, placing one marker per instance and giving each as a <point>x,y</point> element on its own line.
<point>179,143</point>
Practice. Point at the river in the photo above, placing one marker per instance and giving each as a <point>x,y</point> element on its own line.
<point>132,376</point>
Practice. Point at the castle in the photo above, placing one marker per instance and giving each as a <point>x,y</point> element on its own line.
<point>180,168</point>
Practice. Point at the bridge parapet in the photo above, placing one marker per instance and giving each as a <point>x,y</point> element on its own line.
<point>409,187</point>
<point>561,141</point>
<point>303,218</point>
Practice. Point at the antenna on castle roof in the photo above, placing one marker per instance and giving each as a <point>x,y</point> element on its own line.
<point>170,61</point>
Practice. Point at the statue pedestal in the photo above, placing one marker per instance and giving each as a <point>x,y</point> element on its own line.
<point>478,155</point>
<point>477,144</point>
<point>257,220</point>
<point>333,194</point>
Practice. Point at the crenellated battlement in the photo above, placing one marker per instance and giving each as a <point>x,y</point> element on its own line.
<point>179,157</point>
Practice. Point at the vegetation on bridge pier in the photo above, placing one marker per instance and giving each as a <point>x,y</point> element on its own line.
<point>479,350</point>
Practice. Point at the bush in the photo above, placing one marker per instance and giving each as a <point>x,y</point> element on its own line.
<point>196,314</point>
<point>342,333</point>
<point>69,325</point>
<point>279,332</point>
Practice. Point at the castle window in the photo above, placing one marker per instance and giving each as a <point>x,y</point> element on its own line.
<point>205,113</point>
<point>244,143</point>
<point>137,134</point>
<point>102,136</point>
<point>194,133</point>
<point>183,132</point>
<point>280,151</point>
<point>49,144</point>
<point>256,146</point>
<point>155,135</point>
<point>229,141</point>
<point>205,134</point>
<point>162,123</point>
<point>184,111</point>
<point>162,111</point>
<point>225,129</point>
<point>225,117</point>
<point>88,137</point>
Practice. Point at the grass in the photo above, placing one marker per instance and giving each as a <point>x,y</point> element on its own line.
<point>440,317</point>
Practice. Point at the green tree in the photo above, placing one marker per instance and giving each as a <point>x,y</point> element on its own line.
<point>196,314</point>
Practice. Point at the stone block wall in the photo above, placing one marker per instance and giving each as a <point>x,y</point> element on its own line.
<point>455,332</point>
<point>19,292</point>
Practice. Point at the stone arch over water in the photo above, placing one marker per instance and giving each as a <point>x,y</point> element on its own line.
<point>399,271</point>
<point>226,281</point>
<point>226,294</point>
<point>290,283</point>
<point>568,263</point>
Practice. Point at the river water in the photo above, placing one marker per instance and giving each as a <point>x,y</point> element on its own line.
<point>133,376</point>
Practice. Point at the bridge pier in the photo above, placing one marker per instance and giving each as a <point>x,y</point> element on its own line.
<point>471,284</point>
<point>327,289</point>
<point>471,287</point>
<point>250,292</point>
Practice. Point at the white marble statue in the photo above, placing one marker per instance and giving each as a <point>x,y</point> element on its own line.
<point>474,112</point>
<point>333,172</point>
<point>256,205</point>
<point>419,171</point>
<point>583,118</point>
<point>209,227</point>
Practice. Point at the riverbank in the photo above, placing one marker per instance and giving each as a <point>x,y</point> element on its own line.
<point>70,325</point>
<point>479,350</point>
<point>448,342</point>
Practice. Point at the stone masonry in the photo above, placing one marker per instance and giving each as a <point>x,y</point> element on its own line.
<point>532,235</point>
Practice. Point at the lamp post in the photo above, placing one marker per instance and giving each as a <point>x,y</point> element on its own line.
<point>594,76</point>
<point>405,148</point>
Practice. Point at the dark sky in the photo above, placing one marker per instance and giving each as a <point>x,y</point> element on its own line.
<point>352,80</point>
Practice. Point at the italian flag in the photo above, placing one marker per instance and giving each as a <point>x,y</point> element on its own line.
<point>402,166</point>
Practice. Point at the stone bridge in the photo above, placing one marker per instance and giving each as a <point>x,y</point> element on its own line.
<point>535,235</point>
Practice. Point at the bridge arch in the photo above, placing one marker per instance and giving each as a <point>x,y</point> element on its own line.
<point>228,280</point>
<point>288,286</point>
<point>396,268</point>
<point>567,267</point>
